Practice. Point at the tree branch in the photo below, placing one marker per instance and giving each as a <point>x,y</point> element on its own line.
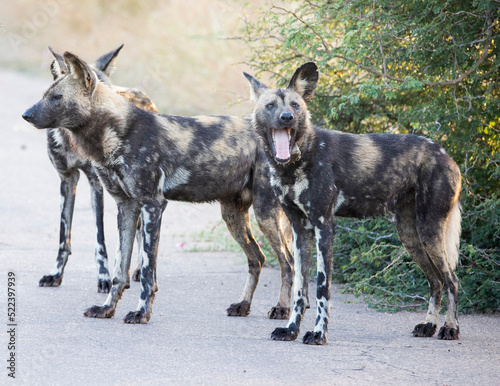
<point>385,75</point>
<point>325,46</point>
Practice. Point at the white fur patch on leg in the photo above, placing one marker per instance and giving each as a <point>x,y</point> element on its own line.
<point>323,304</point>
<point>298,282</point>
<point>451,311</point>
<point>453,229</point>
<point>432,314</point>
<point>58,268</point>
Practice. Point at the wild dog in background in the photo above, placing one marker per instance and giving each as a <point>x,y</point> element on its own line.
<point>319,174</point>
<point>145,159</point>
<point>68,164</point>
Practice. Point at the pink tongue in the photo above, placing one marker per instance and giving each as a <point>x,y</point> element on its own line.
<point>281,144</point>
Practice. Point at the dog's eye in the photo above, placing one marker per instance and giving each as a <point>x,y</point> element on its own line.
<point>56,97</point>
<point>295,105</point>
<point>270,106</point>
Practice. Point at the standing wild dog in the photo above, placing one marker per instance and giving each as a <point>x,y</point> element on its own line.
<point>319,174</point>
<point>68,164</point>
<point>145,159</point>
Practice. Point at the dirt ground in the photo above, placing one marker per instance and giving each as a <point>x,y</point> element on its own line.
<point>189,339</point>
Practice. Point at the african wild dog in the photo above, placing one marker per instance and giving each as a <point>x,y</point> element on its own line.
<point>68,165</point>
<point>145,159</point>
<point>319,174</point>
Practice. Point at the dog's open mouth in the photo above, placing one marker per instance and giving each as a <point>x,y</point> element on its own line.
<point>282,144</point>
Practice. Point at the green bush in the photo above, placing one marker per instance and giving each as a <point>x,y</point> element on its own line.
<point>370,260</point>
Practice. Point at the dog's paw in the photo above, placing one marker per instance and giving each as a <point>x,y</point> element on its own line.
<point>239,309</point>
<point>99,312</point>
<point>284,334</point>
<point>137,317</point>
<point>136,276</point>
<point>103,285</point>
<point>279,312</point>
<point>424,330</point>
<point>314,338</point>
<point>447,333</point>
<point>50,281</point>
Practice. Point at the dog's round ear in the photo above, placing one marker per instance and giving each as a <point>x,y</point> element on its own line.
<point>81,71</point>
<point>305,80</point>
<point>58,67</point>
<point>256,87</point>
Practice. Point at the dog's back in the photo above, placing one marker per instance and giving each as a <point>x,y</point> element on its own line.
<point>194,159</point>
<point>373,171</point>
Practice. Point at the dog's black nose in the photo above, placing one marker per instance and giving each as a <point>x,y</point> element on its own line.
<point>27,116</point>
<point>286,117</point>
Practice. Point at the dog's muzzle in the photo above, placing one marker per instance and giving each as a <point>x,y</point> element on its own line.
<point>28,115</point>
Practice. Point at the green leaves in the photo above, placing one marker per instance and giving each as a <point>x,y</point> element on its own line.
<point>370,90</point>
<point>391,94</point>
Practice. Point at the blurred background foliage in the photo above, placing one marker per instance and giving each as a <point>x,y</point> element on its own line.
<point>407,66</point>
<point>180,52</point>
<point>403,66</point>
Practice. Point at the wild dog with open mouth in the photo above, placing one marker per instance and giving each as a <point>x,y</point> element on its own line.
<point>145,159</point>
<point>68,165</point>
<point>319,174</point>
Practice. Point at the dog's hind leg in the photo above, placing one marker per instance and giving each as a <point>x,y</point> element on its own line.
<point>406,224</point>
<point>269,217</point>
<point>128,214</point>
<point>438,225</point>
<point>151,214</point>
<point>435,233</point>
<point>238,223</point>
<point>101,256</point>
<point>69,181</point>
<point>450,330</point>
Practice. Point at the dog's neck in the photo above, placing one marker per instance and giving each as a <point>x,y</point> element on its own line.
<point>99,138</point>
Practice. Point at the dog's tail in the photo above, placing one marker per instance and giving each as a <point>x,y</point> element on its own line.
<point>453,229</point>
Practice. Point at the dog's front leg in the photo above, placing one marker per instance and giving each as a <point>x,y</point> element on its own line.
<point>151,214</point>
<point>324,246</point>
<point>302,243</point>
<point>136,275</point>
<point>69,182</point>
<point>128,214</point>
<point>101,255</point>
